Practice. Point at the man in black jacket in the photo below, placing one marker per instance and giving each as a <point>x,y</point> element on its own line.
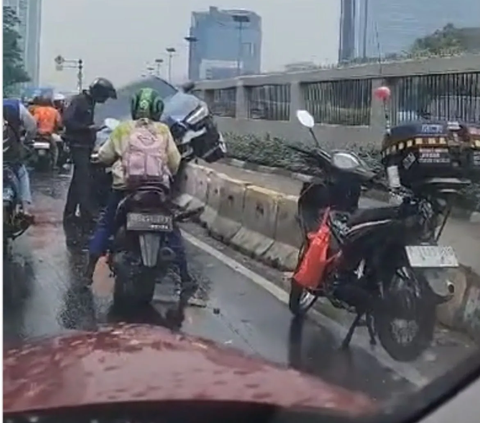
<point>80,134</point>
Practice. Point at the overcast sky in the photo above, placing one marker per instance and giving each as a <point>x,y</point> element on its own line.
<point>116,38</point>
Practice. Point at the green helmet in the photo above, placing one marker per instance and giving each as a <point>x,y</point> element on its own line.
<point>146,103</point>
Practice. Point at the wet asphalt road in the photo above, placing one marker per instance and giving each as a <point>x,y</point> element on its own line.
<point>44,299</point>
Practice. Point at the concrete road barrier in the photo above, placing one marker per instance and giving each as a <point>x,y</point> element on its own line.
<point>258,222</point>
<point>227,221</point>
<point>284,252</point>
<point>194,187</point>
<point>262,224</point>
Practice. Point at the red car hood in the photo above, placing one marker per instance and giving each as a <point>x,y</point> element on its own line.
<point>148,363</point>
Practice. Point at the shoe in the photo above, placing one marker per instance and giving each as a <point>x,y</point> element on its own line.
<point>188,286</point>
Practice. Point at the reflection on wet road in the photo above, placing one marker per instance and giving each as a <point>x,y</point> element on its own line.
<point>44,298</point>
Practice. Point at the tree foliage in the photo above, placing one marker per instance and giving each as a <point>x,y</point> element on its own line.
<point>448,40</point>
<point>13,69</point>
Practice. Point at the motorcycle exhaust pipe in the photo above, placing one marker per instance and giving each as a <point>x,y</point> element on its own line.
<point>451,287</point>
<point>167,255</point>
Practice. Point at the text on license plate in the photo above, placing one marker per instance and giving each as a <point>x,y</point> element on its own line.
<point>431,256</point>
<point>149,222</point>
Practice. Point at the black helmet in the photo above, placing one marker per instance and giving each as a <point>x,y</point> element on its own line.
<point>101,90</point>
<point>45,100</point>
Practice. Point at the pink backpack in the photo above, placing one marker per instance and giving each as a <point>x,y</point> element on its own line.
<point>145,160</point>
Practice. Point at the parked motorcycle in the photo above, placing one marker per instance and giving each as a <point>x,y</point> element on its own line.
<point>397,272</point>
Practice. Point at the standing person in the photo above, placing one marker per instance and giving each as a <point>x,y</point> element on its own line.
<point>80,134</point>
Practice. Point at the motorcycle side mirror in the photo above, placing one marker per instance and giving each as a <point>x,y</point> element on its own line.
<point>305,119</point>
<point>188,87</point>
<point>111,123</point>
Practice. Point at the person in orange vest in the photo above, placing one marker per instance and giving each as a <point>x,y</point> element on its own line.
<point>49,123</point>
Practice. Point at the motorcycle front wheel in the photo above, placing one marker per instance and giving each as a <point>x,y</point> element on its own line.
<point>405,316</point>
<point>300,300</point>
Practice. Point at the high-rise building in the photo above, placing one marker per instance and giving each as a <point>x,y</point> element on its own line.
<point>392,26</point>
<point>346,50</point>
<point>224,44</point>
<point>29,13</point>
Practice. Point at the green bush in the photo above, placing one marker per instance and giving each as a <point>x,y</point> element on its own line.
<point>273,152</point>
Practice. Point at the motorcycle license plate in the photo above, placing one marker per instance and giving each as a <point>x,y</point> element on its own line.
<point>149,222</point>
<point>42,152</point>
<point>431,256</point>
<point>39,145</point>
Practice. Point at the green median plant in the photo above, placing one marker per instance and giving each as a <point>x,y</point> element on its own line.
<point>273,152</point>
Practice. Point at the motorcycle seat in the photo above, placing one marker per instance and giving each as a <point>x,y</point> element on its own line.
<point>373,214</point>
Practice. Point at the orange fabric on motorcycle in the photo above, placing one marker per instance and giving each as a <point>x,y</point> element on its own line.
<point>312,268</point>
<point>48,119</point>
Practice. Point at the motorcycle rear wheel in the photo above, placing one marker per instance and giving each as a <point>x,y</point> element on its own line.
<point>409,305</point>
<point>136,292</point>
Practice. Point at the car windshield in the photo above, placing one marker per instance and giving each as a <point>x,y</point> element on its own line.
<point>213,256</point>
<point>180,105</point>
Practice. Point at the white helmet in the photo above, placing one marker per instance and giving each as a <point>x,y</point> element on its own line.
<point>59,97</point>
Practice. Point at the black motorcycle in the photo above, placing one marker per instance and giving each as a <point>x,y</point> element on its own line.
<point>140,254</point>
<point>396,269</point>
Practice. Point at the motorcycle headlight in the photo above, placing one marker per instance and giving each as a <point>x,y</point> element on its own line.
<point>197,115</point>
<point>345,161</point>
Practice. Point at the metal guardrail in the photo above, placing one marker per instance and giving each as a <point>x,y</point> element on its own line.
<point>447,87</point>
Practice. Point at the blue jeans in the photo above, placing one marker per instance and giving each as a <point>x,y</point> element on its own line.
<point>106,227</point>
<point>21,183</point>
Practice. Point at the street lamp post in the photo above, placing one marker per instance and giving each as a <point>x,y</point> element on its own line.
<point>171,51</point>
<point>158,63</point>
<point>241,20</point>
<point>61,63</point>
<point>150,70</point>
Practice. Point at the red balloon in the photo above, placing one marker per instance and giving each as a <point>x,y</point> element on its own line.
<point>382,93</point>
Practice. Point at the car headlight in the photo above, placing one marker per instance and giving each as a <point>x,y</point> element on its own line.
<point>197,115</point>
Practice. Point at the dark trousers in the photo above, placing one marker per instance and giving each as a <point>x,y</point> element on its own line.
<point>79,190</point>
<point>106,226</point>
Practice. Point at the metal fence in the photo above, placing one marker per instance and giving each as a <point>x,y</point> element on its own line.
<point>343,102</point>
<point>224,102</point>
<point>445,96</point>
<point>269,102</point>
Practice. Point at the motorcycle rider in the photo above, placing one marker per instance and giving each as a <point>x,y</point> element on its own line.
<point>80,135</point>
<point>146,110</point>
<point>59,102</point>
<point>49,123</point>
<point>17,118</point>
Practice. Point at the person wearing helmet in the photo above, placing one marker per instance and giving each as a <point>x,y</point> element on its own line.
<point>16,119</point>
<point>146,110</point>
<point>34,103</point>
<point>80,135</point>
<point>49,123</point>
<point>59,102</point>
